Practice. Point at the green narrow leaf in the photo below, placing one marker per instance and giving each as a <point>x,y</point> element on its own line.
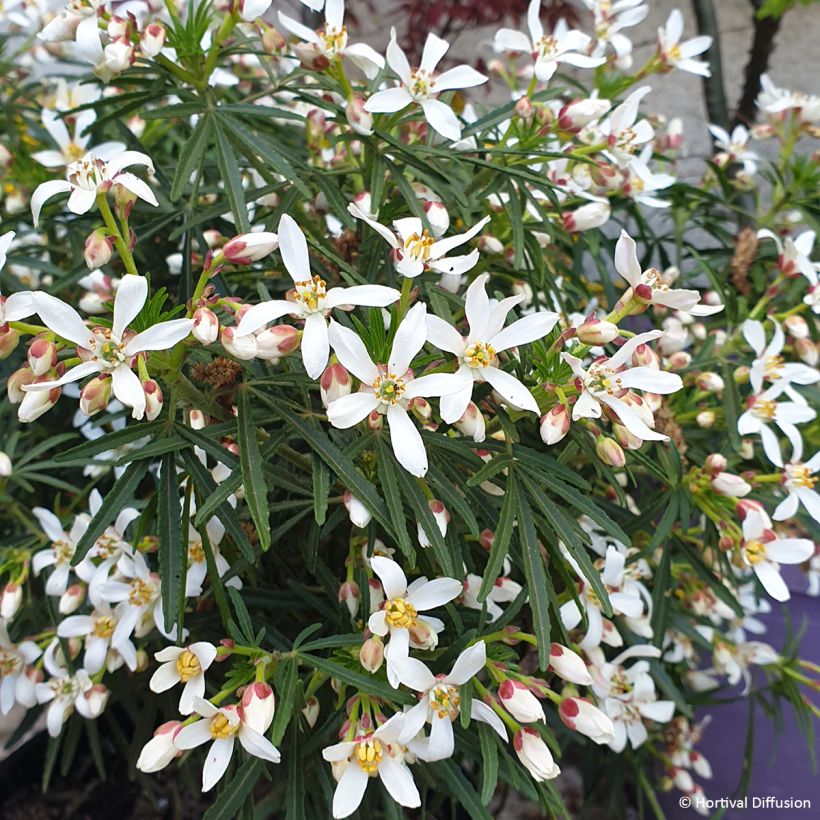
<point>190,155</point>
<point>321,489</point>
<point>295,795</point>
<point>489,758</point>
<point>172,559</point>
<point>234,794</point>
<point>392,495</point>
<point>231,176</point>
<point>731,407</point>
<point>253,475</point>
<point>461,789</point>
<point>120,493</point>
<point>286,681</point>
<point>501,538</point>
<point>535,574</point>
<point>110,441</point>
<point>366,683</point>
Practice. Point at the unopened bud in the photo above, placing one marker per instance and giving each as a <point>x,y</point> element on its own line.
<point>276,341</point>
<point>311,710</point>
<point>371,655</point>
<point>349,595</point>
<point>160,750</point>
<point>680,360</point>
<point>568,665</point>
<point>575,115</point>
<point>37,402</point>
<point>555,424</point>
<point>797,327</point>
<point>206,326</point>
<point>715,463</point>
<point>730,485</point>
<point>97,251</point>
<point>587,217</point>
<point>272,40</point>
<point>705,419</point>
<point>41,356</point>
<point>437,216</point>
<point>442,518</point>
<point>581,716</point>
<point>257,706</point>
<point>243,347</point>
<point>594,331</point>
<point>9,339</point>
<point>10,600</point>
<point>153,399</point>
<point>359,514</point>
<point>472,423</point>
<point>524,109</point>
<point>96,394</point>
<point>250,247</point>
<point>490,244</point>
<point>360,120</point>
<point>334,383</point>
<point>644,356</point>
<point>610,452</point>
<point>806,350</point>
<point>72,599</point>
<point>710,382</point>
<point>5,465</point>
<point>153,39</point>
<point>520,702</point>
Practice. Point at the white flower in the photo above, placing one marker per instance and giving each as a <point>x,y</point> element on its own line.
<point>798,481</point>
<point>184,664</point>
<point>606,380</point>
<point>388,388</point>
<point>676,54</point>
<point>159,751</point>
<point>331,40</point>
<point>312,300</point>
<point>535,755</point>
<point>422,85</point>
<point>439,702</point>
<point>197,560</point>
<point>650,285</point>
<point>64,693</point>
<point>610,18</point>
<point>373,755</point>
<point>18,305</point>
<point>769,364</point>
<point>61,551</point>
<point>733,147</point>
<point>90,176</point>
<point>763,551</point>
<point>73,148</point>
<point>764,410</point>
<point>416,250</point>
<point>774,100</point>
<point>564,45</point>
<point>222,726</point>
<point>478,353</point>
<point>399,614</point>
<point>113,350</point>
<point>795,254</point>
<point>98,631</point>
<point>15,684</point>
<point>623,135</point>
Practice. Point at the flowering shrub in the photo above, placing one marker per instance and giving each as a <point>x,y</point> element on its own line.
<point>361,429</point>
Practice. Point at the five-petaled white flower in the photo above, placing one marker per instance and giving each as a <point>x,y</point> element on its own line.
<point>416,250</point>
<point>222,726</point>
<point>794,254</point>
<point>399,614</point>
<point>650,286</point>
<point>769,364</point>
<point>110,350</point>
<point>90,176</point>
<point>331,40</point>
<point>440,702</point>
<point>311,300</point>
<point>763,410</point>
<point>377,754</point>
<point>72,148</point>
<point>15,684</point>
<point>563,45</point>
<point>389,388</point>
<point>423,84</point>
<point>675,54</point>
<point>184,664</point>
<point>798,482</point>
<point>61,551</point>
<point>478,352</point>
<point>763,551</point>
<point>733,148</point>
<point>98,629</point>
<point>608,380</point>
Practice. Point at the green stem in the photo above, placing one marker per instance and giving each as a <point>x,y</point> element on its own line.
<point>119,241</point>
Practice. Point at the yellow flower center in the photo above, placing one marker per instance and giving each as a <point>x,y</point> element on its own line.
<point>445,701</point>
<point>546,46</point>
<point>142,593</point>
<point>333,39</point>
<point>196,554</point>
<point>104,346</point>
<point>63,551</point>
<point>368,755</point>
<point>74,151</point>
<point>107,546</point>
<point>188,666</point>
<point>765,409</point>
<point>312,293</point>
<point>479,354</point>
<point>421,84</point>
<point>389,388</point>
<point>221,727</point>
<point>799,475</point>
<point>418,246</point>
<point>400,613</point>
<point>772,367</point>
<point>755,552</point>
<point>104,626</point>
<point>10,662</point>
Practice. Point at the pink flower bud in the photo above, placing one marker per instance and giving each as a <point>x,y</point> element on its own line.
<point>160,750</point>
<point>710,382</point>
<point>644,356</point>
<point>806,350</point>
<point>568,665</point>
<point>41,356</point>
<point>575,115</point>
<point>72,599</point>
<point>349,595</point>
<point>334,383</point>
<point>37,402</point>
<point>680,360</point>
<point>587,217</point>
<point>272,40</point>
<point>250,247</point>
<point>581,716</point>
<point>96,699</point>
<point>442,518</point>
<point>276,341</point>
<point>10,600</point>
<point>9,339</point>
<point>371,655</point>
<point>609,451</point>
<point>555,424</point>
<point>705,419</point>
<point>437,216</point>
<point>153,399</point>
<point>423,636</point>
<point>96,394</point>
<point>15,383</point>
<point>472,423</point>
<point>375,421</point>
<point>715,463</point>
<point>797,327</point>
<point>243,347</point>
<point>359,514</point>
<point>153,39</point>
<point>421,409</point>
<point>489,244</point>
<point>730,485</point>
<point>97,251</point>
<point>206,326</point>
<point>524,109</point>
<point>520,702</point>
<point>360,120</point>
<point>311,710</point>
<point>594,331</point>
<point>535,755</point>
<point>257,706</point>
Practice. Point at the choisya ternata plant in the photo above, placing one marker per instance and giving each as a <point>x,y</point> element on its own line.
<point>362,429</point>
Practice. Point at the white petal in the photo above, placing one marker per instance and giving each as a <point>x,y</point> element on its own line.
<point>399,782</point>
<point>435,384</point>
<point>511,389</point>
<point>216,763</point>
<point>631,420</point>
<point>480,711</point>
<point>513,40</point>
<point>435,593</point>
<point>462,76</point>
<point>61,318</point>
<point>315,345</point>
<point>193,735</point>
<point>293,249</point>
<point>81,201</point>
<point>468,664</point>
<point>162,336</point>
<point>406,441</point>
<point>413,673</point>
<point>164,678</point>
<point>526,330</point>
<point>388,101</point>
<point>790,550</point>
<point>352,353</point>
<point>768,575</point>
<point>258,745</point>
<point>43,193</point>
<point>626,259</point>
<point>128,389</point>
<point>136,186</point>
<point>263,313</point>
<point>128,302</point>
<point>434,49</point>
<point>655,381</point>
<point>349,791</point>
<point>441,743</point>
<point>348,410</point>
<point>409,339</point>
<point>391,575</point>
<point>442,119</point>
<point>370,295</point>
